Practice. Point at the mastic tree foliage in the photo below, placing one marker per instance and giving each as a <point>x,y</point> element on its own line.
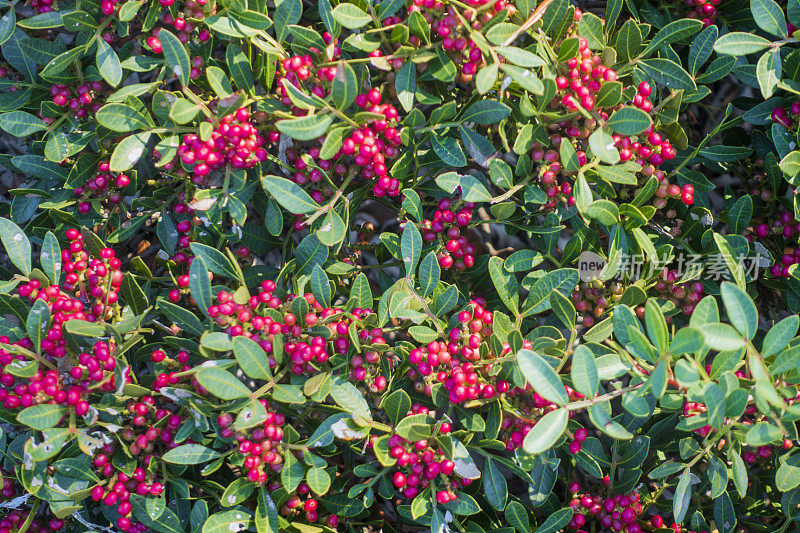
<point>368,265</point>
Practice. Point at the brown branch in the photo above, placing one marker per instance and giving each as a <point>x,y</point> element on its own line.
<point>533,19</point>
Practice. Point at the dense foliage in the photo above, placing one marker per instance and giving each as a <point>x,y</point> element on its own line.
<point>434,265</point>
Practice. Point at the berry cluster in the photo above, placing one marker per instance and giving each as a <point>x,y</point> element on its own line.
<point>82,103</point>
<point>454,24</point>
<point>452,215</point>
<point>685,295</point>
<point>704,10</point>
<point>265,315</point>
<point>234,140</point>
<point>779,115</point>
<point>89,292</point>
<point>310,506</point>
<point>585,75</point>
<point>105,185</point>
<point>46,522</point>
<point>785,226</point>
<point>592,298</point>
<point>617,513</point>
<point>143,440</point>
<point>259,446</point>
<point>370,147</point>
<point>421,464</point>
<point>582,78</point>
<point>456,363</point>
<point>185,29</point>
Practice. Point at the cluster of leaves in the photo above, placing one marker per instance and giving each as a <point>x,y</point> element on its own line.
<point>302,321</point>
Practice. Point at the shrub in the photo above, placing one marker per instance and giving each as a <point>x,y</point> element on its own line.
<point>429,265</point>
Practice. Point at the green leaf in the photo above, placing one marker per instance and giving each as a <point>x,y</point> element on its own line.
<point>414,427</point>
<point>505,284</point>
<point>410,248</point>
<point>525,78</point>
<point>405,85</point>
<point>20,123</point>
<point>449,150</point>
<point>237,492</point>
<point>629,120</point>
<point>546,432</point>
<point>17,245</point>
<point>517,516</point>
<point>122,117</point>
<point>557,520</point>
<point>562,280</point>
<point>686,340</point>
<point>350,16</point>
<point>239,67</point>
<point>305,128</point>
<point>790,164</point>
<point>590,27</point>
<point>522,260</point>
<point>740,308</point>
<point>733,263</point>
<point>108,63</point>
<point>286,13</point>
<point>42,416</point>
<point>50,258</point>
<point>200,285</point>
<point>349,398</point>
<point>227,521</point>
<point>519,57</point>
<point>769,17</point>
<point>788,475</point>
<point>495,487</point>
<point>615,174</point>
<point>37,322</point>
<point>289,194</point>
<point>668,73</point>
<point>779,335</point>
<point>541,376</point>
<point>563,309</point>
<point>629,42</point>
<point>222,384</point>
<point>318,480</point>
<point>604,211</point>
<point>486,112</point>
<point>429,274</point>
<point>214,260</point>
<point>175,56</point>
<point>602,146</point>
<point>768,72</point>
<point>251,358</point>
<point>7,23</point>
<point>61,62</point>
<point>740,44</point>
<point>701,48</point>
<point>584,374</point>
<point>763,433</point>
<point>673,32</point>
<point>740,213</point>
<point>725,514</point>
<point>345,86</point>
<point>683,494</point>
<point>722,337</point>
<point>656,325</point>
<point>396,405</point>
<point>266,518</point>
<point>128,152</point>
<point>320,285</point>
